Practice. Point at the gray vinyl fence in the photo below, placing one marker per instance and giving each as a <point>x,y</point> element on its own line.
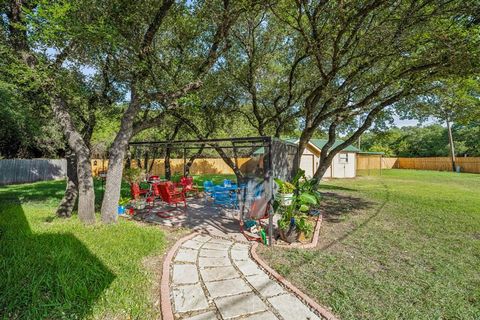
<point>14,171</point>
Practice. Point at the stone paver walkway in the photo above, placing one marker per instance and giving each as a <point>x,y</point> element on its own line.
<point>213,278</point>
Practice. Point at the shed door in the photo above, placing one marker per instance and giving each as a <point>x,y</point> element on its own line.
<point>307,164</point>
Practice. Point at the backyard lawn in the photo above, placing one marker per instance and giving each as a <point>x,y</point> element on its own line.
<point>404,245</point>
<point>59,269</point>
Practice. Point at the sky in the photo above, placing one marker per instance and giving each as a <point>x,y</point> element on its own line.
<point>405,123</point>
<point>411,122</point>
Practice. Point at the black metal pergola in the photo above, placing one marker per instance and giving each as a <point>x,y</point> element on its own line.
<point>273,158</point>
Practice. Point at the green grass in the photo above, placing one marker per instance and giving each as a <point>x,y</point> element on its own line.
<point>215,178</point>
<point>404,245</point>
<point>53,268</point>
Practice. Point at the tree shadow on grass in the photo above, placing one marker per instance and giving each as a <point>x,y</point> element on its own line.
<point>337,206</point>
<point>45,276</point>
<point>334,188</point>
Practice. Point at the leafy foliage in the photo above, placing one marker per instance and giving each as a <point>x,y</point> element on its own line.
<point>305,196</point>
<point>133,175</point>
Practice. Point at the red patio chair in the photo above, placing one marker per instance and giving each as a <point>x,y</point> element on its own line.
<point>170,195</point>
<point>156,190</point>
<point>136,192</point>
<point>188,186</point>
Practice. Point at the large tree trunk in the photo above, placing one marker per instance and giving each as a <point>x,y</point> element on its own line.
<point>114,180</point>
<point>115,162</point>
<point>67,204</point>
<point>86,194</point>
<point>302,144</point>
<point>86,188</point>
<point>322,168</point>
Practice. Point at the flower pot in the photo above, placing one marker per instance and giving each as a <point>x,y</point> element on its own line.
<point>289,236</point>
<point>285,198</point>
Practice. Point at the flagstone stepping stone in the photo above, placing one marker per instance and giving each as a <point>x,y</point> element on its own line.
<point>225,288</point>
<point>290,307</point>
<point>189,298</point>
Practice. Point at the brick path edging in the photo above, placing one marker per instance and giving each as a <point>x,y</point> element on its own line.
<point>321,310</point>
<point>165,303</point>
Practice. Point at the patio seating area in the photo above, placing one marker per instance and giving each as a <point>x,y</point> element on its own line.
<point>239,209</point>
<point>211,208</point>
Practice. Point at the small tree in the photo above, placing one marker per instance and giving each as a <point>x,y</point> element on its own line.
<point>453,100</point>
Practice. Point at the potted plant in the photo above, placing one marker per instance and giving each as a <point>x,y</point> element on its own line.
<point>285,192</point>
<point>294,225</point>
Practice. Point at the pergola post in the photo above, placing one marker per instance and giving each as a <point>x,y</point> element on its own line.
<point>270,185</point>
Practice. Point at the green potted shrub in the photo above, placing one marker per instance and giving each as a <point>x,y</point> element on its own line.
<point>294,224</point>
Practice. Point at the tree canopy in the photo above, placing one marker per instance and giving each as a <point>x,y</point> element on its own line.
<point>89,76</point>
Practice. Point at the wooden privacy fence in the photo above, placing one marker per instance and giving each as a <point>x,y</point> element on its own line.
<point>467,164</point>
<point>199,166</point>
<point>371,162</point>
<point>366,164</point>
<point>14,171</point>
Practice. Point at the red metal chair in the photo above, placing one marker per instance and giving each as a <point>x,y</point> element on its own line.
<point>170,195</point>
<point>156,190</point>
<point>136,192</point>
<point>188,186</point>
